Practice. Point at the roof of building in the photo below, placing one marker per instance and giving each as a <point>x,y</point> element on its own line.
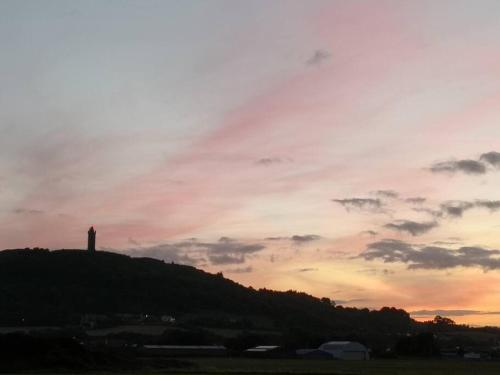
<point>342,345</point>
<point>262,348</point>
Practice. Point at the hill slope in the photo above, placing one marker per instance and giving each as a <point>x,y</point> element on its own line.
<point>42,287</point>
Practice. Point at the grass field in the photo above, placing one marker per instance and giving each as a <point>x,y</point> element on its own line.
<point>234,366</point>
<point>375,367</point>
<point>237,366</point>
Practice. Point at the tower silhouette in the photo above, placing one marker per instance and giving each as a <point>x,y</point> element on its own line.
<point>91,240</point>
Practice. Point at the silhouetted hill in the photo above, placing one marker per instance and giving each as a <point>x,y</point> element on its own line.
<point>41,287</point>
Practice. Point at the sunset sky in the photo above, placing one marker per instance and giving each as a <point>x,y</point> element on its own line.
<point>348,149</point>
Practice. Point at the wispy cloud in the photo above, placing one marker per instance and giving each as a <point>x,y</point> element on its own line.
<point>24,211</point>
<point>457,208</point>
<point>454,208</point>
<point>436,213</point>
<point>175,253</point>
<point>307,269</point>
<point>133,242</point>
<point>247,269</point>
<point>391,194</point>
<point>412,227</point>
<point>359,203</point>
<point>490,205</point>
<point>305,238</point>
<point>276,238</point>
<point>492,158</point>
<point>416,200</point>
<point>270,161</point>
<point>318,57</point>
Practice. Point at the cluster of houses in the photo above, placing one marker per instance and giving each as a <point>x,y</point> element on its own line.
<point>96,321</point>
<point>98,328</point>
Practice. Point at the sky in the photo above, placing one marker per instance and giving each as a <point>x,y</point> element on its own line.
<point>348,149</point>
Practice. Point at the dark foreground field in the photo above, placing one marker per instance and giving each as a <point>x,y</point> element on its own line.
<point>295,367</point>
<point>375,367</point>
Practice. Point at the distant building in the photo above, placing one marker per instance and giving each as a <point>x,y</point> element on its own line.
<point>472,355</point>
<point>477,354</point>
<point>267,351</point>
<point>167,319</point>
<point>91,240</point>
<point>262,349</point>
<point>348,350</point>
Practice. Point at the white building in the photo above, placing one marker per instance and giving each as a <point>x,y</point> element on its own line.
<point>262,349</point>
<point>348,350</point>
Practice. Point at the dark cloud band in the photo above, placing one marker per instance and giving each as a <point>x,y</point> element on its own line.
<point>431,257</point>
<point>467,166</point>
<point>224,251</point>
<point>412,227</point>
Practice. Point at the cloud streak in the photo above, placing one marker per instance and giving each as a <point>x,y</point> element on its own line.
<point>423,313</point>
<point>298,239</point>
<point>416,200</point>
<point>391,194</point>
<point>24,211</point>
<point>247,269</point>
<point>307,270</point>
<point>270,161</point>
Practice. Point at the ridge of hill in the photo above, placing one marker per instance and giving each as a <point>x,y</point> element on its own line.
<point>41,287</point>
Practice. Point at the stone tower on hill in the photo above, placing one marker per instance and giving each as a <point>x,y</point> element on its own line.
<point>91,240</point>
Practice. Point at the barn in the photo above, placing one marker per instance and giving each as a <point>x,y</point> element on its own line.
<point>348,350</point>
